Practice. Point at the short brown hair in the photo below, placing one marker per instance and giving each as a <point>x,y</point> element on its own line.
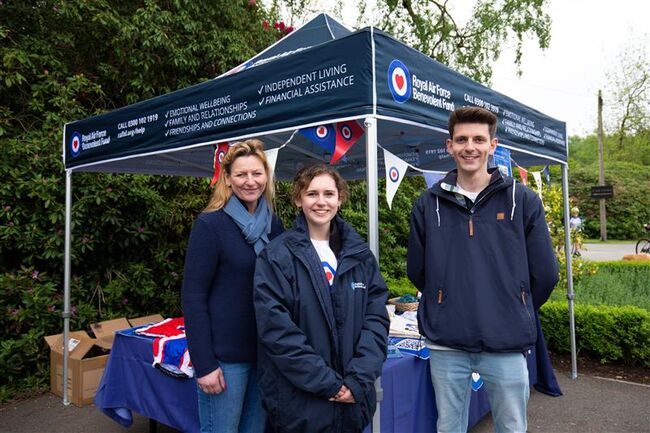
<point>306,174</point>
<point>222,193</point>
<point>473,115</point>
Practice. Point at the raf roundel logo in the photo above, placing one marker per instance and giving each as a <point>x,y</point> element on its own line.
<point>399,81</point>
<point>393,174</point>
<point>220,155</point>
<point>75,144</point>
<point>346,132</point>
<point>321,131</point>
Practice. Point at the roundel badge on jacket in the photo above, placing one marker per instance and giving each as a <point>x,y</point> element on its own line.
<point>75,144</point>
<point>399,81</point>
<point>329,272</point>
<point>393,174</point>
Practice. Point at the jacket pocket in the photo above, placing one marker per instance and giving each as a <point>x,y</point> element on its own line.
<point>527,310</point>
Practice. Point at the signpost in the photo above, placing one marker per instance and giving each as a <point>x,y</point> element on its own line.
<point>602,191</point>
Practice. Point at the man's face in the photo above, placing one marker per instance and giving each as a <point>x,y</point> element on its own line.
<point>470,147</point>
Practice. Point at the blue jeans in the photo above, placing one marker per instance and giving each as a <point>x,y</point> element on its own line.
<point>505,378</point>
<point>238,409</point>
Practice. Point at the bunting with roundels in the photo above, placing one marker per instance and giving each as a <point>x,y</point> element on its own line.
<point>395,172</point>
<point>334,138</point>
<point>220,151</point>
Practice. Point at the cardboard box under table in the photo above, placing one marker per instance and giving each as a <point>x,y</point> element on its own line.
<point>86,361</point>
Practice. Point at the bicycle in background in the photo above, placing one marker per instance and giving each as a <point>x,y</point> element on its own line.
<point>643,245</point>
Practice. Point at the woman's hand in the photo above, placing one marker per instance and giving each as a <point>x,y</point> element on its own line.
<point>212,383</point>
<point>343,396</point>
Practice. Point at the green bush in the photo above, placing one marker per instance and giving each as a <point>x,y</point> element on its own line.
<point>64,61</point>
<point>610,333</point>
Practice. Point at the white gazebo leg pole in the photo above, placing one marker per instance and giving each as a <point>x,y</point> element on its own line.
<point>66,283</point>
<point>373,229</point>
<point>569,271</point>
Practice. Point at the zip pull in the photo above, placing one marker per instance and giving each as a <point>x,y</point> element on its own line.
<point>523,297</point>
<point>471,227</point>
<point>439,296</point>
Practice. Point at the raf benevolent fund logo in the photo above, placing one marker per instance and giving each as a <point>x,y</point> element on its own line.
<point>399,81</point>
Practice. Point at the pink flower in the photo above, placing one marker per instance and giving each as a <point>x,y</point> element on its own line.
<point>140,229</point>
<point>35,275</point>
<point>51,308</point>
<point>252,3</point>
<point>288,29</point>
<point>125,301</point>
<point>276,25</point>
<point>109,189</point>
<point>281,26</point>
<point>265,25</point>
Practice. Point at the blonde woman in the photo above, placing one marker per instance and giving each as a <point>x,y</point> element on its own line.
<point>217,293</point>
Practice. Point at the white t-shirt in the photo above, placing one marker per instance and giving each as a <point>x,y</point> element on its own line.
<point>470,195</point>
<point>327,259</point>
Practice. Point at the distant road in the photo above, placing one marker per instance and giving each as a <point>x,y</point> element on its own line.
<point>606,252</point>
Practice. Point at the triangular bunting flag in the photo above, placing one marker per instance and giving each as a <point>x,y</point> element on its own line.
<point>220,151</point>
<point>537,175</point>
<point>347,133</point>
<point>272,157</point>
<point>322,135</point>
<point>524,176</point>
<point>432,177</point>
<point>547,175</point>
<point>395,172</point>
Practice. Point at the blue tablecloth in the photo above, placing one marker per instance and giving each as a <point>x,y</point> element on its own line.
<point>130,383</point>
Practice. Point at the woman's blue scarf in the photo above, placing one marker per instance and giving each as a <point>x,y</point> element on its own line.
<point>255,227</point>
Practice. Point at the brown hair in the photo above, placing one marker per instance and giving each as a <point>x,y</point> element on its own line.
<point>306,174</point>
<point>473,115</point>
<point>222,193</point>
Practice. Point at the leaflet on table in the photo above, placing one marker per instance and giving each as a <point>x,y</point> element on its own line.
<point>410,346</point>
<point>404,325</point>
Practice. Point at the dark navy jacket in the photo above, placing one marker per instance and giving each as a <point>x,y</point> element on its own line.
<point>312,340</point>
<point>217,293</point>
<point>483,268</point>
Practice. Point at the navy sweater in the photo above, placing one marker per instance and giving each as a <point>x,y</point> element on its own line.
<point>217,292</point>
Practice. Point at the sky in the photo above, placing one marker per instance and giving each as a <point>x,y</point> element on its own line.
<point>587,37</point>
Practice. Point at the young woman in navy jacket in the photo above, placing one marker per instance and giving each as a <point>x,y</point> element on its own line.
<point>321,316</point>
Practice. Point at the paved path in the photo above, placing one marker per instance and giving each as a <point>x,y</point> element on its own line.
<point>606,252</point>
<point>589,404</point>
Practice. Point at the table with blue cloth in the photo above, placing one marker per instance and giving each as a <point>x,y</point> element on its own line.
<point>130,383</point>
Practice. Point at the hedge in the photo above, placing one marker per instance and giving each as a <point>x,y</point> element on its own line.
<point>610,333</point>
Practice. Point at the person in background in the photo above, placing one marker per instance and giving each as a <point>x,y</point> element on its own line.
<point>217,294</point>
<point>321,316</point>
<point>480,252</point>
<point>575,225</point>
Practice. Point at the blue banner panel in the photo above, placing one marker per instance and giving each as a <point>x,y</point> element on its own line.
<point>412,86</point>
<point>331,80</point>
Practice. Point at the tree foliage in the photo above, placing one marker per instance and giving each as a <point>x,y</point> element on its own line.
<point>438,30</point>
<point>628,97</point>
<point>62,61</point>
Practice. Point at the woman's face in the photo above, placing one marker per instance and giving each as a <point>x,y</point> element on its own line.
<point>320,202</point>
<point>247,179</point>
